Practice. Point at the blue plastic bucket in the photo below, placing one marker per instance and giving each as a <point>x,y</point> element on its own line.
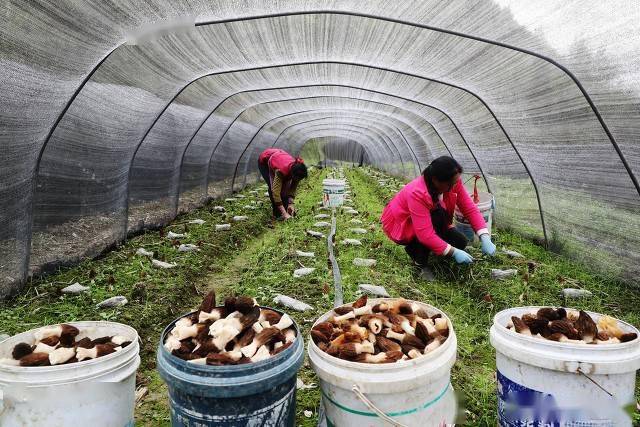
<point>254,394</point>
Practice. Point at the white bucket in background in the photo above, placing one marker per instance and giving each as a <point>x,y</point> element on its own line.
<point>95,393</point>
<point>542,381</point>
<point>333,192</point>
<point>485,206</point>
<point>414,393</point>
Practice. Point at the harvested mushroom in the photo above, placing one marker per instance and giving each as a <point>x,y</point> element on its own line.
<point>570,326</point>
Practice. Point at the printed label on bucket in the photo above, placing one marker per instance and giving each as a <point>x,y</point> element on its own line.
<point>520,406</point>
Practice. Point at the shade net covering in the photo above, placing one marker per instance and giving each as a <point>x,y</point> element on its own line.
<point>116,116</point>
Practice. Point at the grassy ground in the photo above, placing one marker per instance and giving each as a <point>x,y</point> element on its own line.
<point>155,296</point>
<point>249,261</point>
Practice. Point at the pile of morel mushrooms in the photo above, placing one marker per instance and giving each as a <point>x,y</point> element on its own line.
<point>384,332</point>
<point>570,326</point>
<point>236,333</point>
<point>57,345</point>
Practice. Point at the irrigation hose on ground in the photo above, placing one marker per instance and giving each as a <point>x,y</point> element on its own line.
<point>337,278</point>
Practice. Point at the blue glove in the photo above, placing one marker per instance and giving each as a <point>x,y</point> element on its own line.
<point>462,257</point>
<point>488,248</point>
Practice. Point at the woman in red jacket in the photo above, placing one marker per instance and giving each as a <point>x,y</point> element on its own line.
<point>282,173</point>
<point>420,216</point>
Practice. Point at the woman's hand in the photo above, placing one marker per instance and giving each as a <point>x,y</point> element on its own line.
<point>488,248</point>
<point>284,215</point>
<point>462,257</point>
<point>291,210</point>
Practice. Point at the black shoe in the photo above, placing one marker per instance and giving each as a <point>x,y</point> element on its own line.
<point>418,257</point>
<point>427,274</point>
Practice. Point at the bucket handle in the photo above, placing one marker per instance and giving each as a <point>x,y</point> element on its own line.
<point>369,404</point>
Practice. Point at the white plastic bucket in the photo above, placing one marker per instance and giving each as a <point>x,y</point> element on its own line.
<point>414,393</point>
<point>95,393</point>
<point>333,192</point>
<point>485,206</point>
<point>542,381</point>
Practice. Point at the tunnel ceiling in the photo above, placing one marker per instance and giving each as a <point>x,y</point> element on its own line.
<point>112,110</point>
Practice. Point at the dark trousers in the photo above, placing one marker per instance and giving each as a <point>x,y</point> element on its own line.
<point>420,253</point>
<point>264,171</point>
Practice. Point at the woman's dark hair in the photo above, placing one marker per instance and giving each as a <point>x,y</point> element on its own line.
<point>443,169</point>
<point>299,171</point>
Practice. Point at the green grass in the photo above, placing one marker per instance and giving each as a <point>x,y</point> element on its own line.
<point>250,261</point>
<point>156,297</point>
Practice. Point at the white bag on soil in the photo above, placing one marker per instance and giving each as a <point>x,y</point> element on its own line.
<point>352,212</point>
<point>230,200</point>
<point>576,293</point>
<point>305,254</point>
<point>355,221</point>
<point>188,247</point>
<point>239,196</point>
<point>315,234</point>
<point>304,271</point>
<point>364,262</point>
<point>239,218</point>
<point>512,254</point>
<point>321,216</point>
<point>118,301</point>
<point>197,221</point>
<point>502,274</point>
<point>250,207</point>
<point>292,303</point>
<point>223,227</point>
<point>75,289</point>
<point>161,264</point>
<point>172,235</point>
<point>352,242</point>
<point>219,208</point>
<point>373,290</point>
<point>322,224</point>
<point>144,252</point>
<point>358,230</point>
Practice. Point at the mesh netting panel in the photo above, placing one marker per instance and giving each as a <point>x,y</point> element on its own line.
<point>100,137</point>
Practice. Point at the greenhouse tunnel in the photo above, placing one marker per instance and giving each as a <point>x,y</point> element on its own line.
<point>118,116</point>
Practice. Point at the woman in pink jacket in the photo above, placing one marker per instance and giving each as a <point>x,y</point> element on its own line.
<point>282,172</point>
<point>420,216</point>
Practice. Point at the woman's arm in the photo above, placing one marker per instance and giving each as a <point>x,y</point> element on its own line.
<point>276,190</point>
<point>292,190</point>
<point>470,210</point>
<point>421,219</point>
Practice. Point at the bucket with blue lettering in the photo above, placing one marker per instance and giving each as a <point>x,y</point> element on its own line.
<point>413,393</point>
<point>253,394</point>
<point>543,382</point>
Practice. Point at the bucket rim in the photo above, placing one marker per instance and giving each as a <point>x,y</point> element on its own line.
<point>558,345</point>
<point>377,367</point>
<point>59,369</point>
<point>225,368</point>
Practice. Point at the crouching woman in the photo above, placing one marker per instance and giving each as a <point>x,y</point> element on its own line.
<point>420,216</point>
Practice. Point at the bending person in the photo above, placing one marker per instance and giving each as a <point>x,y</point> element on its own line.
<point>282,173</point>
<point>420,216</point>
